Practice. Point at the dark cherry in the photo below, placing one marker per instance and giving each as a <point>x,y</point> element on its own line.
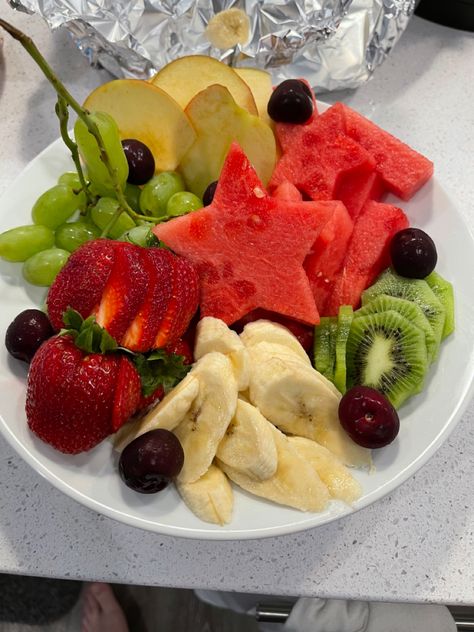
<point>290,102</point>
<point>141,164</point>
<point>413,253</point>
<point>26,333</point>
<point>150,461</point>
<point>368,417</point>
<point>209,193</point>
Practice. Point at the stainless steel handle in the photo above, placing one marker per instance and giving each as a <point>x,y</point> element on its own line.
<point>278,613</point>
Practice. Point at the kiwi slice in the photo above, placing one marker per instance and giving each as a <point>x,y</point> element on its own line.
<point>325,346</point>
<point>344,320</point>
<point>416,290</point>
<point>444,291</point>
<point>385,351</point>
<point>411,311</point>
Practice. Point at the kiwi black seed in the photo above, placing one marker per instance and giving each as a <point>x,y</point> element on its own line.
<point>388,353</point>
<point>416,290</point>
<point>325,346</point>
<point>411,311</point>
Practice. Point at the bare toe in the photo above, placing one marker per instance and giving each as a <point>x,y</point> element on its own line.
<point>101,611</point>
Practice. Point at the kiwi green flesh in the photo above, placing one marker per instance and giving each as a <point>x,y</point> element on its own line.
<point>444,291</point>
<point>324,346</point>
<point>344,320</point>
<point>415,290</point>
<point>385,351</point>
<point>411,311</point>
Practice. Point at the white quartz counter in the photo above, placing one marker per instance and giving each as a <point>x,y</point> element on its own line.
<point>416,544</point>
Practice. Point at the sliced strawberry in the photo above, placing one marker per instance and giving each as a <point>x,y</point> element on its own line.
<point>128,393</point>
<point>182,305</point>
<point>182,348</point>
<point>82,280</point>
<point>148,400</point>
<point>142,332</point>
<point>124,293</point>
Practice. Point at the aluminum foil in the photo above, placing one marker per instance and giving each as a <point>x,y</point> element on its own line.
<point>335,44</point>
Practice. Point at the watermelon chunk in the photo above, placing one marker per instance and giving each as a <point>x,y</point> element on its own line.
<point>354,191</point>
<point>367,254</point>
<point>248,248</point>
<point>328,252</point>
<point>403,170</point>
<point>287,191</point>
<point>318,154</point>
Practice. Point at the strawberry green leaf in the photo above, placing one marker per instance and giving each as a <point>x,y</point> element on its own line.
<point>88,334</point>
<point>72,319</point>
<point>160,368</point>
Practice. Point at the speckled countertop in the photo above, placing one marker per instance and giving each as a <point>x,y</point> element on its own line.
<point>416,544</point>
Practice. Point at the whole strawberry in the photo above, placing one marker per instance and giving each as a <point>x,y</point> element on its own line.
<point>82,387</point>
<point>71,394</point>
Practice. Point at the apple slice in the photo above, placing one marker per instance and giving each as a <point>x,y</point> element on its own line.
<point>184,78</point>
<point>260,83</point>
<point>218,121</point>
<point>147,113</point>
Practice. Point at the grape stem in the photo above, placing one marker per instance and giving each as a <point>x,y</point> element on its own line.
<point>63,115</point>
<point>67,99</point>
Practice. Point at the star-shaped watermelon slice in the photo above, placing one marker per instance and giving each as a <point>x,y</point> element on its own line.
<point>248,247</point>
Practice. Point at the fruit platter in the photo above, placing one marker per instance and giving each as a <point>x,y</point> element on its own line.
<point>230,310</point>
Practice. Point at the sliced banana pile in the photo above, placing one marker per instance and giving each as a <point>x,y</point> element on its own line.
<point>232,414</point>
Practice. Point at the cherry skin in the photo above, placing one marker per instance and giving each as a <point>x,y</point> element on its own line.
<point>413,253</point>
<point>150,461</point>
<point>368,417</point>
<point>26,333</point>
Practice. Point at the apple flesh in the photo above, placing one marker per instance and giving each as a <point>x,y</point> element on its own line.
<point>260,84</point>
<point>218,121</point>
<point>184,78</point>
<point>147,113</point>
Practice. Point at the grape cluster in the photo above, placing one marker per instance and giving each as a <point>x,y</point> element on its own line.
<point>68,214</point>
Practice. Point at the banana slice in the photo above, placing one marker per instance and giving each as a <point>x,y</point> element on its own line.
<point>268,332</point>
<point>295,482</point>
<point>248,445</point>
<point>210,498</point>
<point>206,421</point>
<point>294,397</point>
<point>212,334</point>
<point>167,414</point>
<point>228,28</point>
<point>340,483</point>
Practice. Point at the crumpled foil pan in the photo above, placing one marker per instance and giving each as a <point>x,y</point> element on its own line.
<point>335,44</point>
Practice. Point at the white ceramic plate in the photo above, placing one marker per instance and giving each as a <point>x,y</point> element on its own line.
<point>92,478</point>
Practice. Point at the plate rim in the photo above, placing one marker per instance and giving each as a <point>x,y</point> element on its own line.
<point>229,534</point>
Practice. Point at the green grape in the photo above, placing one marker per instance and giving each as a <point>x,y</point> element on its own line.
<point>42,268</point>
<point>70,179</point>
<point>103,212</point>
<point>132,195</point>
<point>56,205</point>
<point>138,235</point>
<point>181,203</point>
<point>22,242</point>
<point>157,191</point>
<point>89,151</point>
<point>71,235</point>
